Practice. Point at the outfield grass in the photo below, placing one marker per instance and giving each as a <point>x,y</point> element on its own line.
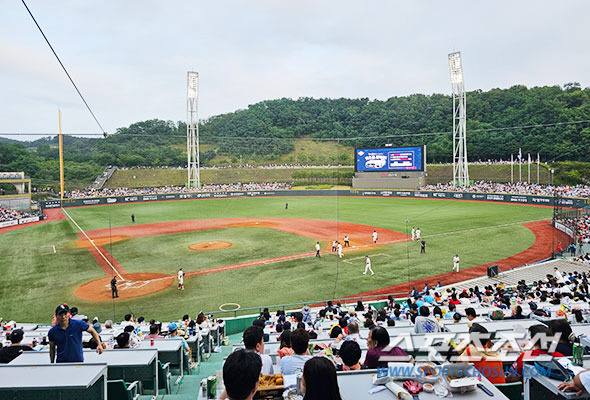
<point>36,280</point>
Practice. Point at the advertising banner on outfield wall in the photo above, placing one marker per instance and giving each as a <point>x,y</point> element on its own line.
<point>508,198</point>
<point>568,231</point>
<point>8,223</point>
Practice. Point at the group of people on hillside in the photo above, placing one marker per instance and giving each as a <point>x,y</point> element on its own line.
<point>122,191</point>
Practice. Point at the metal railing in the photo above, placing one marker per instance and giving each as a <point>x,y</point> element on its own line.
<point>313,303</point>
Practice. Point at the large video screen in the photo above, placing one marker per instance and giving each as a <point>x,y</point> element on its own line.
<point>390,159</point>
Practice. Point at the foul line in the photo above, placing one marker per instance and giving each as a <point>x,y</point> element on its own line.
<point>92,243</point>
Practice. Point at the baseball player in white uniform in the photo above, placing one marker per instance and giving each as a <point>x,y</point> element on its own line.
<point>374,236</point>
<point>333,245</point>
<point>317,249</point>
<point>456,263</point>
<point>413,233</point>
<point>368,266</point>
<point>180,279</point>
<point>340,250</point>
<point>418,233</point>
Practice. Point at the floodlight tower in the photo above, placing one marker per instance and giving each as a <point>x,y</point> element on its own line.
<point>192,130</point>
<point>460,166</point>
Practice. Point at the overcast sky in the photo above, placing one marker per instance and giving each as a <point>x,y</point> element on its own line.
<point>129,58</point>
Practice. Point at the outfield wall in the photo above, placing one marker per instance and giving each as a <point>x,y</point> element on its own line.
<point>501,198</point>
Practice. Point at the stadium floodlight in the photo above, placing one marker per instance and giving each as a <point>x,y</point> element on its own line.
<point>192,130</point>
<point>460,165</point>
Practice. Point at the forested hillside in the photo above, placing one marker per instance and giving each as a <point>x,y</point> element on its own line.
<point>273,131</point>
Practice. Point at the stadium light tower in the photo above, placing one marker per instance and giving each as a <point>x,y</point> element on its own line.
<point>460,166</point>
<point>192,130</point>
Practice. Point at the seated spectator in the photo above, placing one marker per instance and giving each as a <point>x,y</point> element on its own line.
<point>9,353</point>
<point>96,325</point>
<point>478,352</point>
<point>154,332</point>
<point>202,321</point>
<point>123,340</point>
<point>353,332</point>
<point>285,346</point>
<point>517,313</point>
<point>428,298</point>
<point>241,372</point>
<point>565,345</point>
<point>306,311</point>
<point>424,323</point>
<point>350,354</point>
<point>335,332</point>
<point>515,372</point>
<point>449,314</point>
<point>108,324</point>
<point>253,341</point>
<point>299,343</point>
<point>359,306</point>
<point>173,334</point>
<point>133,339</point>
<point>437,312</point>
<point>319,380</point>
<point>129,320</point>
<point>380,353</point>
<point>472,315</point>
<point>456,318</point>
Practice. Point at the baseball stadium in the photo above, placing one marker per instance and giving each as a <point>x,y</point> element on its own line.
<point>302,249</point>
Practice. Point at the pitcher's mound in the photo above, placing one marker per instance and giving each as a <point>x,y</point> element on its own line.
<point>204,246</point>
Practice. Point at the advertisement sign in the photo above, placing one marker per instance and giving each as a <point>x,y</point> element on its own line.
<point>8,223</point>
<point>517,199</point>
<point>390,159</point>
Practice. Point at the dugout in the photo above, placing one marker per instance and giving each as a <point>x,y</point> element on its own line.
<point>15,190</point>
<point>390,168</point>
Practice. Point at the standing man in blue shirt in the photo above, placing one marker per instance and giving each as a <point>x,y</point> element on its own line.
<point>66,336</point>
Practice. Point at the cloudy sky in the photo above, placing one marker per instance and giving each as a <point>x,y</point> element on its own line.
<point>130,58</point>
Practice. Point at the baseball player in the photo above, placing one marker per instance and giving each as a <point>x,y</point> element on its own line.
<point>180,279</point>
<point>368,266</point>
<point>456,263</point>
<point>317,249</point>
<point>423,247</point>
<point>333,245</point>
<point>346,241</point>
<point>339,245</point>
<point>418,233</point>
<point>374,236</point>
<point>413,233</point>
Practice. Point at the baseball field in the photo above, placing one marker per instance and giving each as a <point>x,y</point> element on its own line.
<point>253,252</point>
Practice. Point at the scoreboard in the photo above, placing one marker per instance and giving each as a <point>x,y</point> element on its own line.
<point>390,159</point>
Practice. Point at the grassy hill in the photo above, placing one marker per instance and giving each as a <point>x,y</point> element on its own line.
<point>436,174</point>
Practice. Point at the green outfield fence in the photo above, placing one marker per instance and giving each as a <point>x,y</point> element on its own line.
<point>493,197</point>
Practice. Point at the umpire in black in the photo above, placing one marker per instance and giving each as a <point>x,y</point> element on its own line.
<point>114,291</point>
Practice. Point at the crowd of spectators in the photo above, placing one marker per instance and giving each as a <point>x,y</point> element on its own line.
<point>561,299</point>
<point>242,166</point>
<point>514,188</point>
<point>107,192</point>
<point>10,214</point>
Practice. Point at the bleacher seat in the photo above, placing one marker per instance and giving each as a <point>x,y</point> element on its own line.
<point>164,378</point>
<point>120,390</point>
<point>511,390</point>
